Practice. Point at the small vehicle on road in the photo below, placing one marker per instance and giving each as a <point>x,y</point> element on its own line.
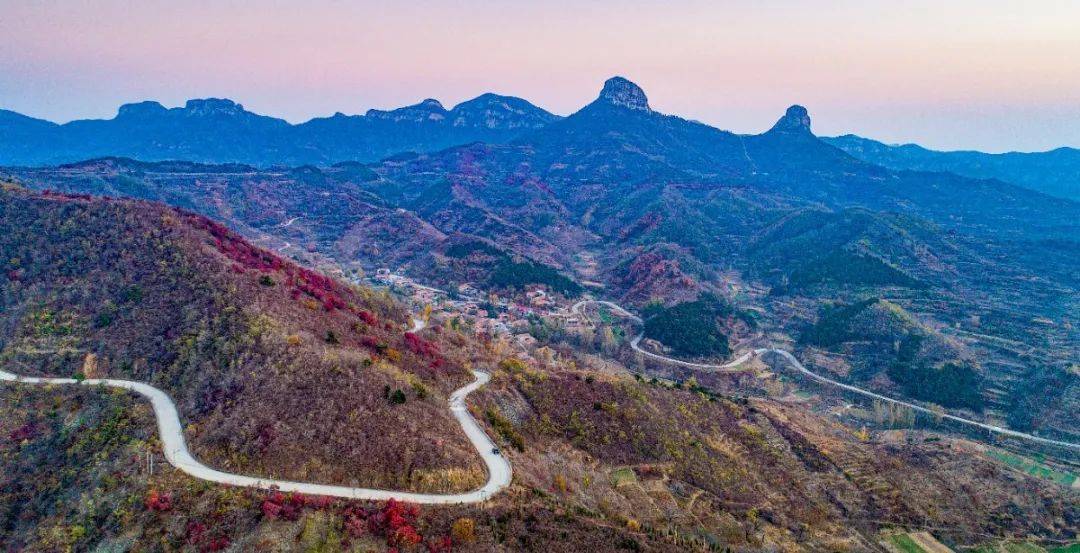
<point>495,450</point>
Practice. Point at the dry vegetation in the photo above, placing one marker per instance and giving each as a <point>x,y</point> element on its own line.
<point>283,372</point>
<point>276,369</point>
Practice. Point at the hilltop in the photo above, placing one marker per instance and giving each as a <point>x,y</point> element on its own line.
<point>273,366</point>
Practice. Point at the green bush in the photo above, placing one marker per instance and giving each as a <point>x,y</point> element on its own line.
<point>505,429</point>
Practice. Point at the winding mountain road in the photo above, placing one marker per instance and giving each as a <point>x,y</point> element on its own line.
<point>791,360</point>
<point>176,451</point>
<point>635,342</point>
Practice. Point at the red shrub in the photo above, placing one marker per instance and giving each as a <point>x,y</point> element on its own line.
<point>285,507</point>
<point>220,543</point>
<point>419,345</point>
<point>355,521</point>
<point>318,501</point>
<point>443,544</point>
<point>271,510</point>
<point>158,501</point>
<point>367,317</point>
<point>405,536</point>
<point>395,521</point>
<point>25,432</point>
<point>235,248</point>
<point>195,532</point>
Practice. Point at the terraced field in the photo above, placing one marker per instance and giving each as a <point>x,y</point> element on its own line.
<point>913,542</point>
<point>1034,468</point>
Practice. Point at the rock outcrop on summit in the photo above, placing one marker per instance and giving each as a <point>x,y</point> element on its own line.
<point>621,92</point>
<point>795,119</point>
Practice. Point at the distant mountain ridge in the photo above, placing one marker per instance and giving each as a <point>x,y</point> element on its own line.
<point>1054,172</point>
<point>218,130</point>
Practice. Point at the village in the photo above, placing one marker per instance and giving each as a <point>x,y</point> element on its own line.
<point>505,318</point>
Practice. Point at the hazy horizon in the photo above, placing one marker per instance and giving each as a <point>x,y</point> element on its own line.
<point>990,76</point>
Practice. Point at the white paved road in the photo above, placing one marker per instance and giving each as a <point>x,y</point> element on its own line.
<point>635,342</point>
<point>989,427</point>
<point>176,451</point>
<point>577,308</point>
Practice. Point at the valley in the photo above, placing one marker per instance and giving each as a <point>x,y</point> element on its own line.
<point>796,347</point>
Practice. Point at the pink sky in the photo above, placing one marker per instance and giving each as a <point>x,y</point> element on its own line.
<point>989,75</point>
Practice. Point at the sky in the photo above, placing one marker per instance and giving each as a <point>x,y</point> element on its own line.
<point>991,75</point>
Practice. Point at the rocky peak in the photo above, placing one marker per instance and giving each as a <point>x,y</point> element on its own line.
<point>427,110</point>
<point>795,120</point>
<point>213,106</point>
<point>621,92</point>
<point>431,104</point>
<point>141,109</point>
<point>499,112</point>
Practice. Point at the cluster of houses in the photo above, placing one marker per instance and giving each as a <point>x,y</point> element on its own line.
<point>489,314</point>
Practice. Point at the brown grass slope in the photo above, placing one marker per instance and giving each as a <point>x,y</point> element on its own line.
<point>705,470</point>
<point>276,369</point>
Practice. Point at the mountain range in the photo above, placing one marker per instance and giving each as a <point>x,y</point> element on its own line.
<point>216,130</point>
<point>651,207</point>
<point>222,131</point>
<point>1056,172</point>
<point>182,252</point>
